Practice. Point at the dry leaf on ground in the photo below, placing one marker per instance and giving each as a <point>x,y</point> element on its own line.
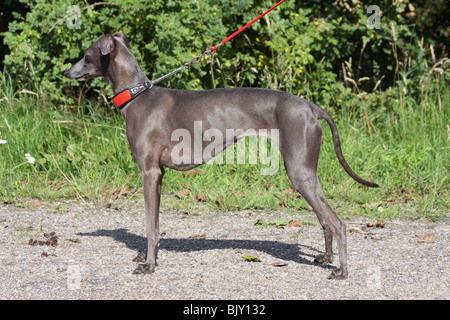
<point>36,204</point>
<point>278,264</point>
<point>358,230</point>
<point>198,236</point>
<point>219,201</point>
<point>377,224</point>
<point>200,198</point>
<point>429,238</point>
<point>183,192</point>
<point>294,223</point>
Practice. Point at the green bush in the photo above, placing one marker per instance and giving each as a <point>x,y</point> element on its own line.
<point>303,47</point>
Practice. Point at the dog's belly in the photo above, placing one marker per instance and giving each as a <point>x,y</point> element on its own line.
<point>186,154</point>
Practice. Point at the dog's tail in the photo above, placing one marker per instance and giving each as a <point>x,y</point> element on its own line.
<point>322,114</point>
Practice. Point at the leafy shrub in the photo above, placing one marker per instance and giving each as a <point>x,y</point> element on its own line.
<point>304,47</point>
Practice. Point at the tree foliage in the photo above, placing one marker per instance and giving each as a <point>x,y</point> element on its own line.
<point>304,47</point>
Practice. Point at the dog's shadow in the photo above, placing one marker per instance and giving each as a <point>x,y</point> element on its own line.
<point>279,250</point>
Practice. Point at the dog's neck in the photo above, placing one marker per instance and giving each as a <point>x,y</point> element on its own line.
<point>124,75</point>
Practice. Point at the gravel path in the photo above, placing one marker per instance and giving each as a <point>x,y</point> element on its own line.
<point>200,257</point>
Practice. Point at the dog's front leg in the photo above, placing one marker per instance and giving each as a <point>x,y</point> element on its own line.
<point>151,180</point>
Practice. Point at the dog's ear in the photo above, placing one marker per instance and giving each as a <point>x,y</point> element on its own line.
<point>123,37</point>
<point>107,44</point>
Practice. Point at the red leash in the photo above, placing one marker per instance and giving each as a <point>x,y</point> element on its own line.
<point>199,58</point>
<point>214,48</point>
<point>122,98</point>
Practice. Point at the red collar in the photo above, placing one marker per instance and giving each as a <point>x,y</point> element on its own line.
<point>125,96</point>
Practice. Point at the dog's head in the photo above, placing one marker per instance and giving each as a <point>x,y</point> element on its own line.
<point>97,57</point>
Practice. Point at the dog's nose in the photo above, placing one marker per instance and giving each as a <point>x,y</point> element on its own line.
<point>68,73</point>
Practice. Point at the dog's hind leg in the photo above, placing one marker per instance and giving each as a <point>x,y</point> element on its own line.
<point>309,187</point>
<point>300,150</point>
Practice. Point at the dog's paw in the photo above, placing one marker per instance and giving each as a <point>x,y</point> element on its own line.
<point>144,268</point>
<point>338,274</point>
<point>324,259</point>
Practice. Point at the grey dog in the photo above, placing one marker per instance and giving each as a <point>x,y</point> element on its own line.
<point>153,113</point>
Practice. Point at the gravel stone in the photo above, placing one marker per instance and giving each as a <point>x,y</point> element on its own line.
<point>93,258</point>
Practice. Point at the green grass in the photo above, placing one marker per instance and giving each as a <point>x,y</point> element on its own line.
<point>82,152</point>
